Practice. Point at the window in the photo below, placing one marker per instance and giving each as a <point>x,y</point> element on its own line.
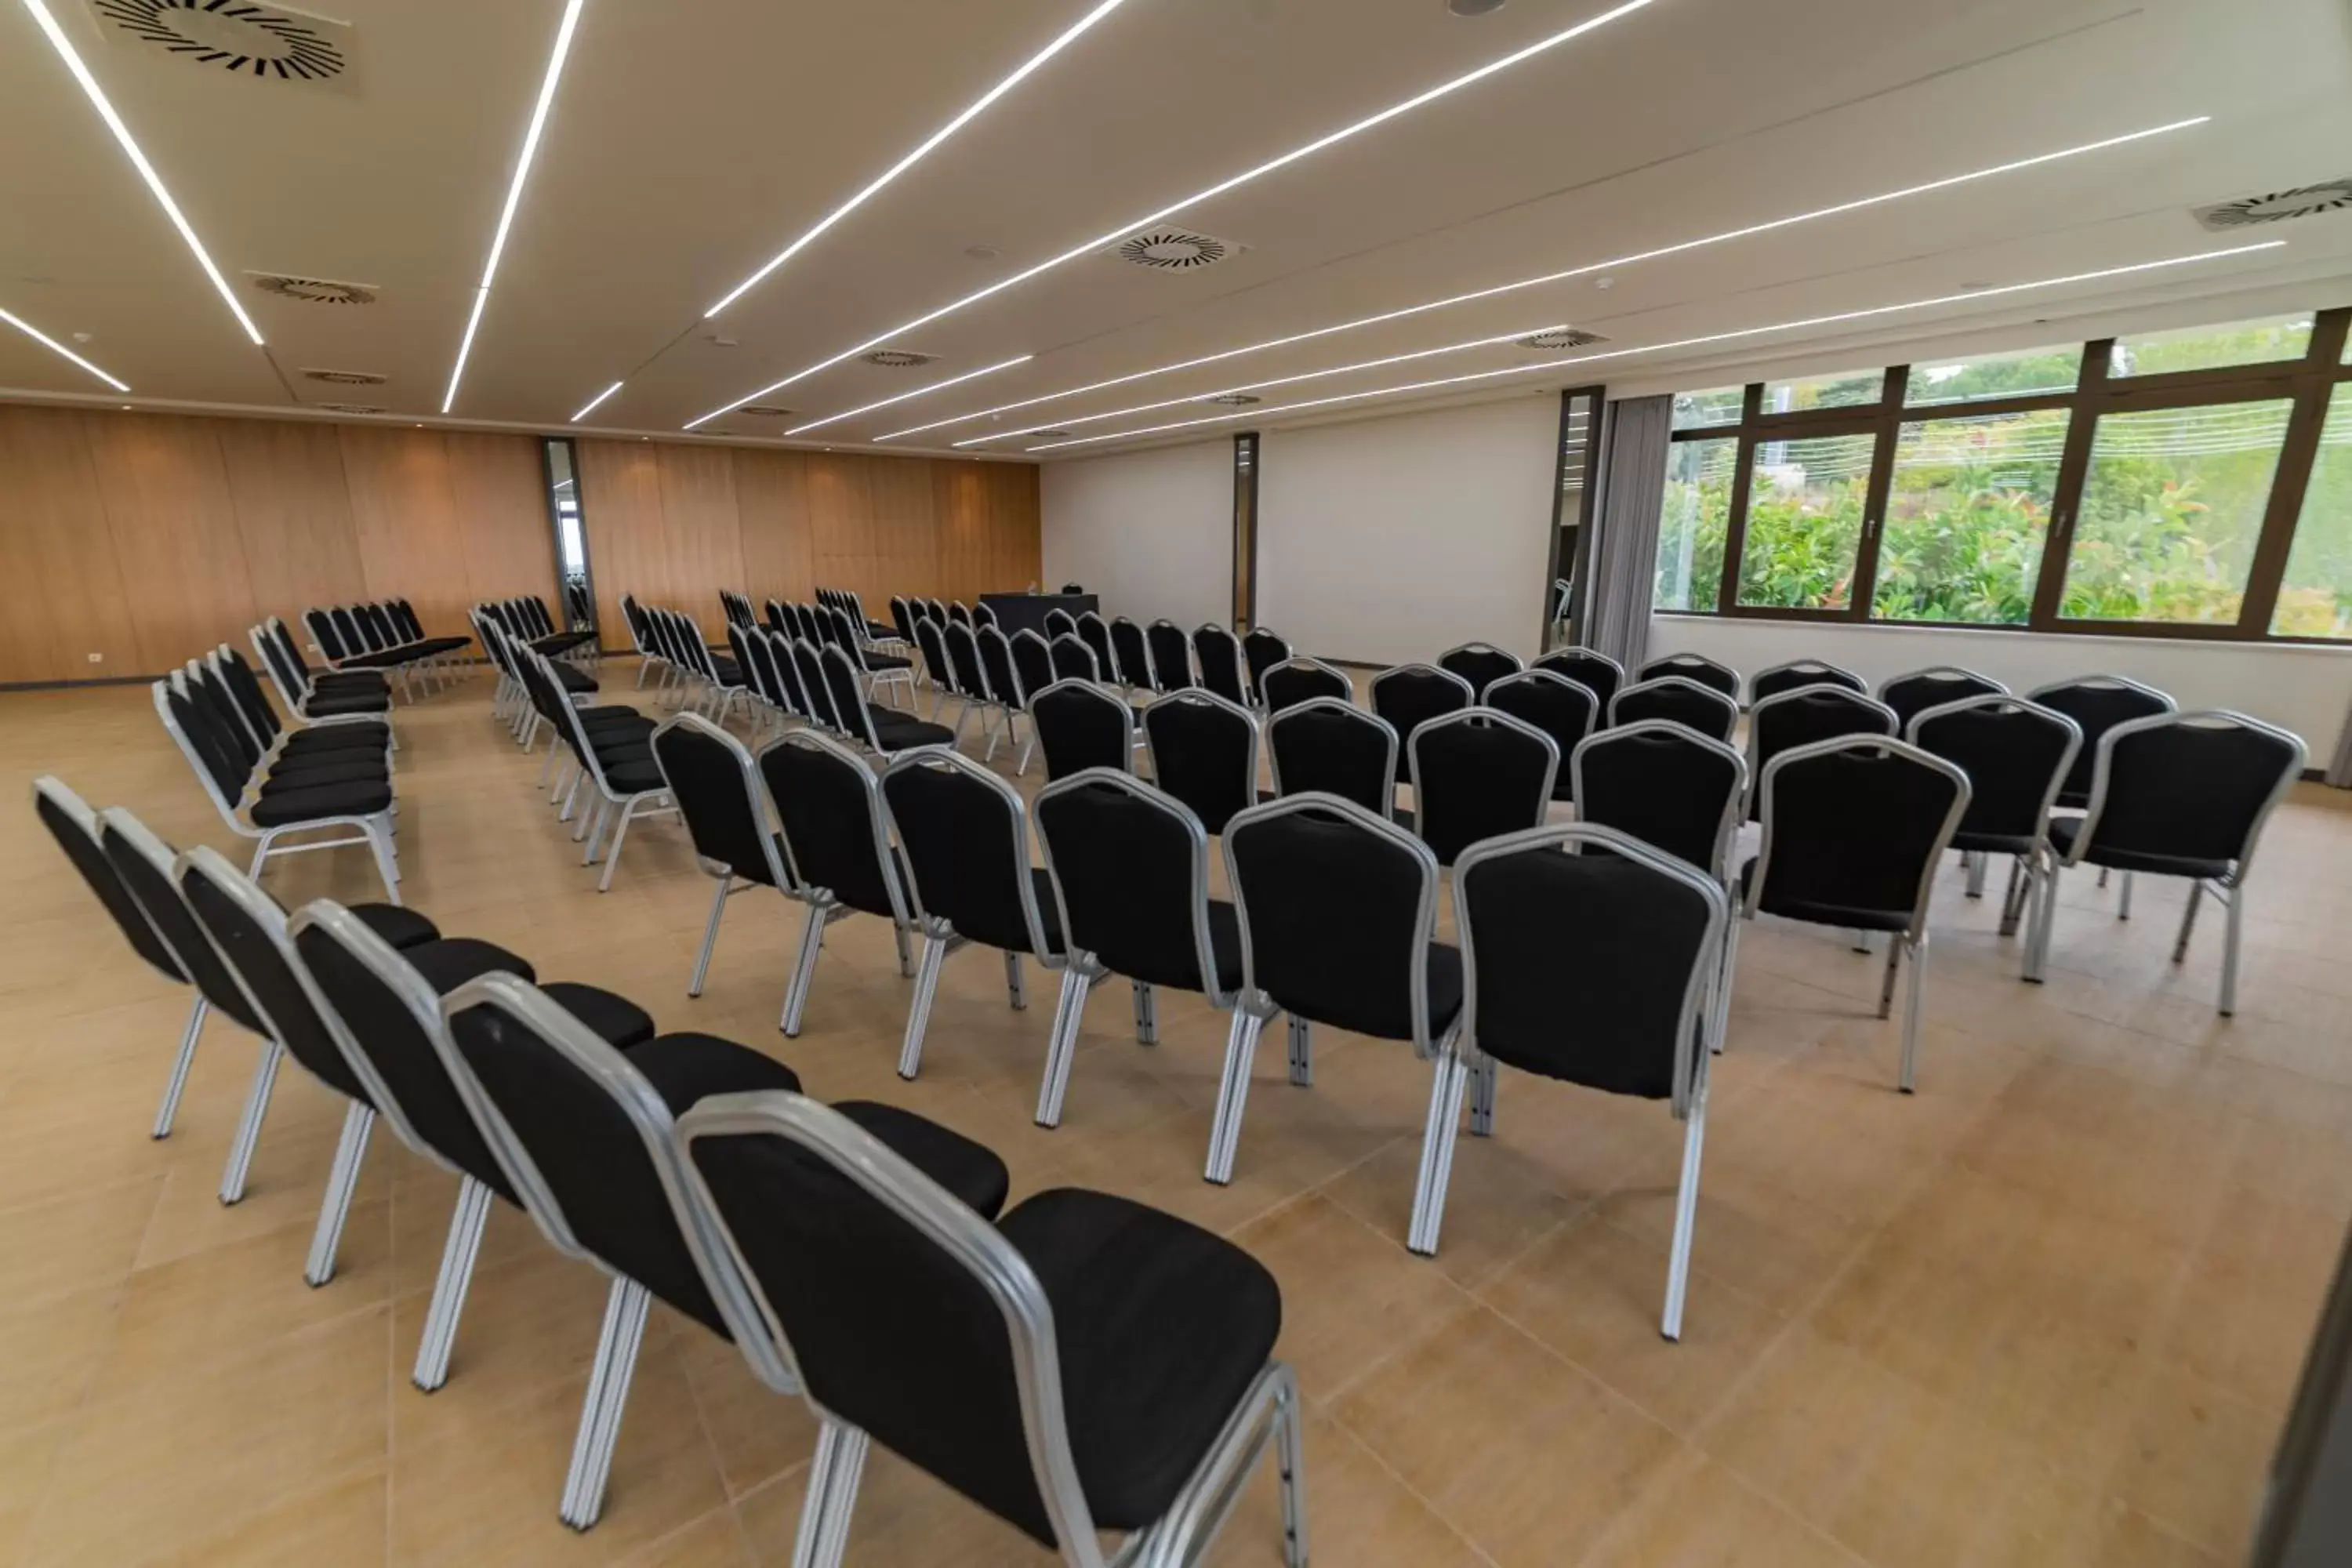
<point>1847,389</point>
<point>2315,594</point>
<point>2172,507</point>
<point>2034,372</point>
<point>2206,348</point>
<point>1693,523</point>
<point>1805,502</point>
<point>1718,405</point>
<point>1966,516</point>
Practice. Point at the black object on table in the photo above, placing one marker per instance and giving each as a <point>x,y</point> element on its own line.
<point>1026,612</point>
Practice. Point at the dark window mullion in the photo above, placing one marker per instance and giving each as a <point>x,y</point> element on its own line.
<point>1875,496</point>
<point>1735,528</point>
<point>2289,482</point>
<point>2067,495</point>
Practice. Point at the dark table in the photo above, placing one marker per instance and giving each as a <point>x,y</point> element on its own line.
<point>1026,612</point>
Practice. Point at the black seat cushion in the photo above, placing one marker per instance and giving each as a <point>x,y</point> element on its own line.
<point>573,678</point>
<point>900,733</point>
<point>730,672</point>
<point>560,643</point>
<point>311,804</point>
<point>349,680</point>
<point>611,713</point>
<point>886,660</point>
<point>432,646</point>
<point>969,1170</point>
<point>2064,830</point>
<point>1819,913</point>
<point>343,737</point>
<point>330,704</point>
<point>616,1020</point>
<point>1161,1327</point>
<point>1993,843</point>
<point>452,961</point>
<point>637,775</point>
<point>399,928</point>
<point>686,1066</point>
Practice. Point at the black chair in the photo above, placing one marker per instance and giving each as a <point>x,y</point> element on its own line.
<point>883,731</point>
<point>1261,650</point>
<point>1555,704</point>
<point>1481,664</point>
<point>1221,669</point>
<point>837,844</point>
<point>972,676</point>
<point>939,668</point>
<point>902,619</point>
<point>1204,752</point>
<point>1693,666</point>
<point>1171,656</point>
<point>1853,829</point>
<point>1595,671</point>
<point>2180,794</point>
<point>1635,938</point>
<point>958,614</point>
<point>1079,725</point>
<point>850,632</point>
<point>2098,703</point>
<point>712,777</point>
<point>1302,679</point>
<point>1798,673</point>
<point>1676,700</point>
<point>310,701</point>
<point>612,750</point>
<point>1131,656</point>
<point>1338,914</point>
<point>2016,754</point>
<point>983,617</point>
<point>1085,1364</point>
<point>1073,659</point>
<point>1000,672</point>
<point>1936,686</point>
<point>1478,773</point>
<point>1033,660</point>
<point>965,836</point>
<point>1410,696</point>
<point>1094,632</point>
<point>1803,716</point>
<point>1666,785</point>
<point>1329,745</point>
<point>1060,623</point>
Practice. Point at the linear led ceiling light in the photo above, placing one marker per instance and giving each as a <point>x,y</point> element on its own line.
<point>55,347</point>
<point>919,392</point>
<point>917,156</point>
<point>514,192</point>
<point>1612,264</point>
<point>593,402</point>
<point>1088,247</point>
<point>97,95</point>
<point>1555,365</point>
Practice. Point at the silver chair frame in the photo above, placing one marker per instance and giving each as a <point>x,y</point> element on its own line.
<point>1834,674</point>
<point>755,793</point>
<point>1680,663</point>
<point>1477,647</point>
<point>1301,662</point>
<point>2029,873</point>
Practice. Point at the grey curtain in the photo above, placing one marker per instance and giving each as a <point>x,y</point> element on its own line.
<point>1624,551</point>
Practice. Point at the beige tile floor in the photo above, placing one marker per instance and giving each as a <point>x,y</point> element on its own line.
<point>2048,1311</point>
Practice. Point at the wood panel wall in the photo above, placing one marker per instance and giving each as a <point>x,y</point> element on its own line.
<point>674,524</point>
<point>148,537</point>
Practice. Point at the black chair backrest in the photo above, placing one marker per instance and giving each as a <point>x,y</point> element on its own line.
<point>902,618</point>
<point>1171,655</point>
<point>1807,714</point>
<point>249,931</point>
<point>1679,700</point>
<point>1479,663</point>
<point>2016,756</point>
<point>1301,680</point>
<point>1627,939</point>
<point>982,616</point>
<point>1338,910</point>
<point>1596,672</point>
<point>2098,703</point>
<point>237,676</point>
<point>330,640</point>
<point>1261,649</point>
<point>816,690</point>
<point>1854,824</point>
<point>1666,785</point>
<point>1032,660</point>
<point>1800,673</point>
<point>1131,655</point>
<point>971,669</point>
<point>143,862</point>
<point>1221,662</point>
<point>1478,773</point>
<point>403,617</point>
<point>1130,869</point>
<point>1094,632</point>
<point>958,614</point>
<point>347,625</point>
<point>1329,745</point>
<point>1081,726</point>
<point>2195,785</point>
<point>1060,624</point>
<point>830,805</point>
<point>1203,753</point>
<point>966,838</point>
<point>931,641</point>
<point>1913,693</point>
<point>1073,659</point>
<point>777,650</point>
<point>1695,667</point>
<point>1410,696</point>
<point>75,827</point>
<point>1004,684</point>
<point>845,684</point>
<point>1554,704</point>
<point>715,784</point>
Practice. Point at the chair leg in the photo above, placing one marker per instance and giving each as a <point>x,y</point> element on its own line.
<point>2189,918</point>
<point>1482,1096</point>
<point>2012,898</point>
<point>1914,1003</point>
<point>1886,986</point>
<point>1302,1052</point>
<point>1719,1026</point>
<point>178,1082</point>
<point>906,953</point>
<point>2103,875</point>
<point>608,1396</point>
<point>919,1016</point>
<point>1861,942</point>
<point>1063,1050</point>
<point>2123,898</point>
<point>1290,1457</point>
<point>804,972</point>
<point>1016,991</point>
<point>249,1125</point>
<point>1146,1015</point>
<point>710,937</point>
<point>1437,1135</point>
<point>1233,1094</point>
<point>1977,861</point>
<point>831,1501</point>
<point>1669,1323</point>
<point>2232,931</point>
<point>464,1245</point>
<point>342,1180</point>
<point>2041,912</point>
<point>387,866</point>
<point>612,854</point>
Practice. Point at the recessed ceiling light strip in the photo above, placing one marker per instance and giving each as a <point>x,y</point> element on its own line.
<point>1264,413</point>
<point>97,95</point>
<point>917,156</point>
<point>1089,246</point>
<point>55,347</point>
<point>919,392</point>
<point>593,402</point>
<point>1498,338</point>
<point>1611,264</point>
<point>564,32</point>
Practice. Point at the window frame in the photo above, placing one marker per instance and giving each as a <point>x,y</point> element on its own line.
<point>2307,382</point>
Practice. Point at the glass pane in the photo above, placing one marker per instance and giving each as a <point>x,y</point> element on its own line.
<point>1846,389</point>
<point>2028,373</point>
<point>2316,596</point>
<point>1804,522</point>
<point>1718,405</point>
<point>2202,348</point>
<point>1691,525</point>
<point>2171,508</point>
<point>1966,516</point>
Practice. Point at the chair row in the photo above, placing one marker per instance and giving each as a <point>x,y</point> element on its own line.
<point>382,635</point>
<point>876,655</point>
<point>856,1255</point>
<point>671,648</point>
<point>527,621</point>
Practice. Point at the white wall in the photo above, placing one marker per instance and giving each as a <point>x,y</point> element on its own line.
<point>2301,687</point>
<point>1387,539</point>
<point>1152,532</point>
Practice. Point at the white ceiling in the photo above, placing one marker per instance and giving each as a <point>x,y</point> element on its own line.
<point>689,142</point>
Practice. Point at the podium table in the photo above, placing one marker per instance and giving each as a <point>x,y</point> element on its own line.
<point>1026,612</point>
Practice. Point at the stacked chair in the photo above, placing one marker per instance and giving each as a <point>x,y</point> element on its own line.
<point>383,635</point>
<point>307,693</point>
<point>527,621</point>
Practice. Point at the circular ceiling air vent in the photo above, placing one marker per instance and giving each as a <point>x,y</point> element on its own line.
<point>313,290</point>
<point>1557,338</point>
<point>351,408</point>
<point>767,411</point>
<point>1174,249</point>
<point>346,377</point>
<point>1235,399</point>
<point>231,35</point>
<point>2278,207</point>
<point>896,359</point>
